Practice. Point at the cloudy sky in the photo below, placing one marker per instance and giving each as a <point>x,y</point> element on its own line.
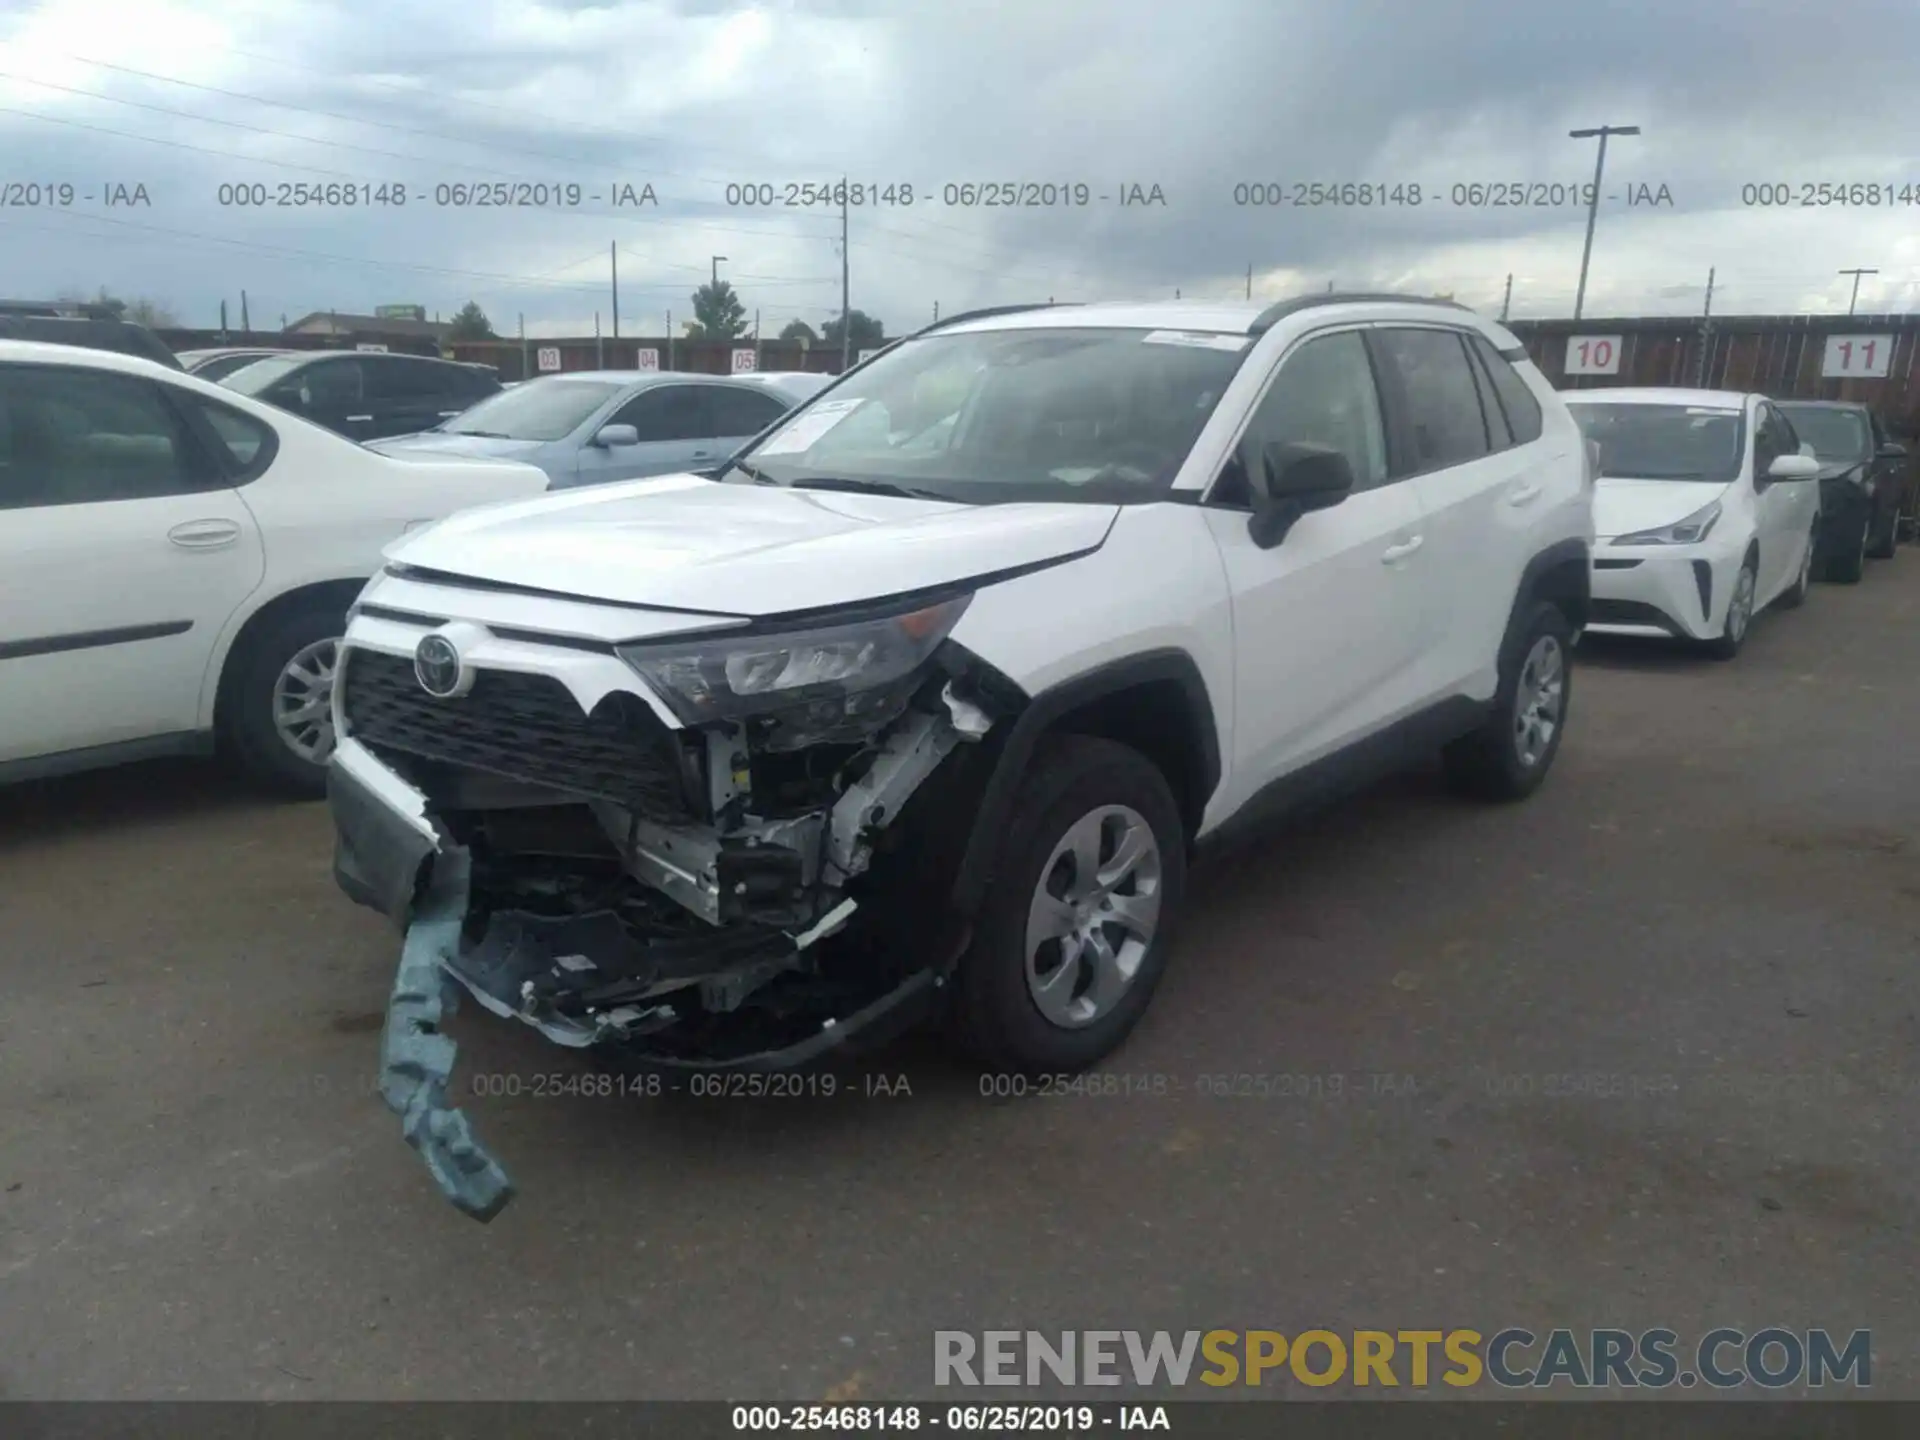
<point>1198,97</point>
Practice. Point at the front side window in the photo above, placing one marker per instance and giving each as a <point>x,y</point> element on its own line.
<point>1441,400</point>
<point>1834,434</point>
<point>1664,442</point>
<point>739,411</point>
<point>330,384</point>
<point>72,436</point>
<point>668,412</point>
<point>1054,413</point>
<point>1323,395</point>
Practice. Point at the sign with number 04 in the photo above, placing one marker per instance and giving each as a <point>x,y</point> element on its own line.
<point>647,360</point>
<point>1856,356</point>
<point>1593,355</point>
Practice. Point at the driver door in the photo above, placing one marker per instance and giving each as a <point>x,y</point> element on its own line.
<point>675,427</point>
<point>1327,624</point>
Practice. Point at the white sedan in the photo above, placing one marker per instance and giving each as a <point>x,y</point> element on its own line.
<point>1704,512</point>
<point>176,563</point>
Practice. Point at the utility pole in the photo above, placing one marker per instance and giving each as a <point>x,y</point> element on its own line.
<point>245,328</point>
<point>599,345</point>
<point>936,312</point>
<point>756,339</point>
<point>1593,200</point>
<point>1856,274</point>
<point>716,270</point>
<point>223,320</point>
<point>846,287</point>
<point>669,340</point>
<point>1507,299</point>
<point>1706,332</point>
<point>1249,280</point>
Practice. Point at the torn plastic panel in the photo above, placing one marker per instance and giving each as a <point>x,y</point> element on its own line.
<point>683,937</point>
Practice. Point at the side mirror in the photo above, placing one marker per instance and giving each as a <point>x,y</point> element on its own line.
<point>609,436</point>
<point>1793,467</point>
<point>1298,478</point>
<point>1893,450</point>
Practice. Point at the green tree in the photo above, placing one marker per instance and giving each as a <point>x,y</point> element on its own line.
<point>864,332</point>
<point>718,312</point>
<point>470,323</point>
<point>140,310</point>
<point>800,330</point>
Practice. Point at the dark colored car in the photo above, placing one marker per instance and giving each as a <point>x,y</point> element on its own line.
<point>1863,473</point>
<point>123,337</point>
<point>219,363</point>
<point>366,395</point>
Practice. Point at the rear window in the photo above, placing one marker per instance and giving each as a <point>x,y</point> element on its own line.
<point>1517,401</point>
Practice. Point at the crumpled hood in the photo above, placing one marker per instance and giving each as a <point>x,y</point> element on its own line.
<point>682,542</point>
<point>435,442</point>
<point>1622,507</point>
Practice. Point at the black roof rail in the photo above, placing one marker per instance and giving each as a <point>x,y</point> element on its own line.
<point>1279,311</point>
<point>988,313</point>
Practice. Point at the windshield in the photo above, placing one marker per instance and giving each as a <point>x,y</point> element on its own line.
<point>1664,442</point>
<point>548,409</point>
<point>258,377</point>
<point>1056,414</point>
<point>1834,434</point>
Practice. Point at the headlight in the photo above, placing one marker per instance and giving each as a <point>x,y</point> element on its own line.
<point>1690,531</point>
<point>725,677</point>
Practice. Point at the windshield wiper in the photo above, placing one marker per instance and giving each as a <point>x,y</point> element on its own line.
<point>752,472</point>
<point>863,487</point>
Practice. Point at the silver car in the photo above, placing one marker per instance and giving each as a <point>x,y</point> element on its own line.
<point>592,426</point>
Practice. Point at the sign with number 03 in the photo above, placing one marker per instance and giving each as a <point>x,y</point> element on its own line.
<point>1856,355</point>
<point>547,357</point>
<point>1593,355</point>
<point>743,362</point>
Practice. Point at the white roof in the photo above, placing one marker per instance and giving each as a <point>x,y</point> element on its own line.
<point>1227,317</point>
<point>40,352</point>
<point>1659,395</point>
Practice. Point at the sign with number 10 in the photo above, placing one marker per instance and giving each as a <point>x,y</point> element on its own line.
<point>1593,355</point>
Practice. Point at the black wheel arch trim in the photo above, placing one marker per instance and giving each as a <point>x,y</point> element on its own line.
<point>1040,714</point>
<point>1560,553</point>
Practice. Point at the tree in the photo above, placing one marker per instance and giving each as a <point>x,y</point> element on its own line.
<point>718,312</point>
<point>864,332</point>
<point>470,323</point>
<point>800,330</point>
<point>140,310</point>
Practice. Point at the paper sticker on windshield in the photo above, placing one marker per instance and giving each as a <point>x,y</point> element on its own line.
<point>805,432</point>
<point>1202,339</point>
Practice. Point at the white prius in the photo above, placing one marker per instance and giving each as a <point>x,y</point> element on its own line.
<point>1704,513</point>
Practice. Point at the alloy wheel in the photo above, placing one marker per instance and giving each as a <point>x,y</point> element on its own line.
<point>1094,913</point>
<point>303,701</point>
<point>1740,607</point>
<point>1538,699</point>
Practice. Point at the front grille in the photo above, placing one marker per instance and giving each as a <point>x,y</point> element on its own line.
<point>523,727</point>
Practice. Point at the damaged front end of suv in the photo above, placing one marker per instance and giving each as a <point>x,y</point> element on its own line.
<point>697,849</point>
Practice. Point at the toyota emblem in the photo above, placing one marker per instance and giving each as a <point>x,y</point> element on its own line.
<point>436,665</point>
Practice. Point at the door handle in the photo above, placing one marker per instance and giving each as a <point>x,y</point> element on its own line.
<point>1524,494</point>
<point>351,419</point>
<point>1400,551</point>
<point>702,454</point>
<point>449,414</point>
<point>204,534</point>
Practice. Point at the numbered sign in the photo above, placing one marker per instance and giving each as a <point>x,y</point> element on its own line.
<point>647,360</point>
<point>1593,355</point>
<point>370,348</point>
<point>547,357</point>
<point>1856,357</point>
<point>743,362</point>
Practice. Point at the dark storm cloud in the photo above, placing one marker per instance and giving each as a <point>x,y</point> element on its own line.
<point>1193,97</point>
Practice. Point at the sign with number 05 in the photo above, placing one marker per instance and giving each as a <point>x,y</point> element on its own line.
<point>548,357</point>
<point>1856,355</point>
<point>743,362</point>
<point>1593,355</point>
<point>648,360</point>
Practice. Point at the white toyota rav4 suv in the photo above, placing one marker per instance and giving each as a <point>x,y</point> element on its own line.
<point>926,698</point>
<point>176,563</point>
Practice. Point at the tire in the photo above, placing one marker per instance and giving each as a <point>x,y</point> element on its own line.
<point>1509,755</point>
<point>1848,562</point>
<point>1000,986</point>
<point>1884,546</point>
<point>265,755</point>
<point>1796,594</point>
<point>1734,633</point>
